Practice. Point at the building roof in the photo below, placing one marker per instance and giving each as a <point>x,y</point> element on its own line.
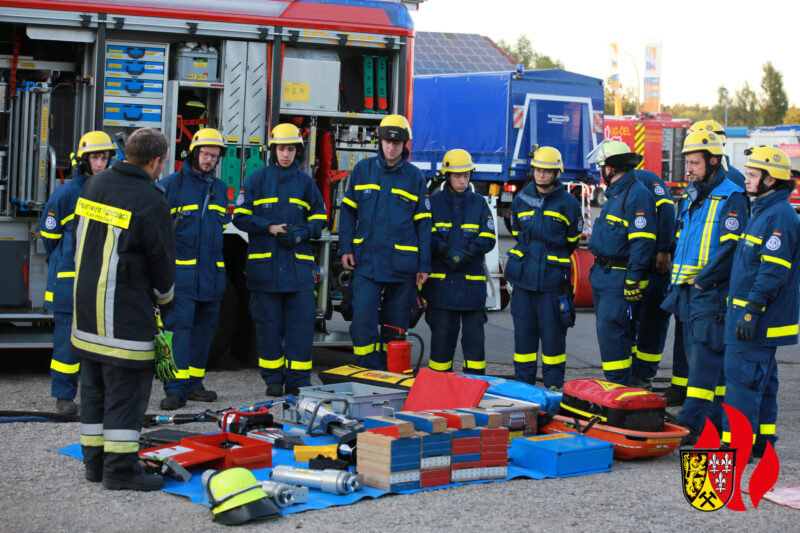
<point>446,53</point>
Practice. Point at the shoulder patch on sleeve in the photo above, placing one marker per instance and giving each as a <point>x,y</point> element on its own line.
<point>773,243</point>
<point>732,223</point>
<point>659,190</point>
<point>640,222</point>
<point>490,223</point>
<point>427,203</point>
<point>50,222</point>
<point>240,198</point>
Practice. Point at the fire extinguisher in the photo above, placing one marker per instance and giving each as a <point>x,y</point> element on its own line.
<point>398,352</point>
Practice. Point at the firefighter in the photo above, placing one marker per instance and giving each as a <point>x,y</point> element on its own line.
<point>463,231</point>
<point>94,153</point>
<point>281,210</point>
<point>624,245</point>
<point>385,238</point>
<point>654,321</point>
<point>713,126</point>
<point>711,215</point>
<point>125,265</point>
<point>763,299</point>
<point>546,221</point>
<point>198,202</point>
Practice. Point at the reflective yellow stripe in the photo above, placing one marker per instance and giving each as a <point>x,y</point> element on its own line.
<point>298,201</point>
<point>364,350</point>
<point>554,359</point>
<point>182,373</point>
<point>470,226</point>
<point>650,357</point>
<point>475,278</point>
<point>782,331</point>
<point>559,259</point>
<point>582,413</point>
<point>514,232</point>
<point>719,391</point>
<point>367,186</point>
<point>271,364</point>
<point>92,440</point>
<point>525,357</point>
<point>476,365</point>
<point>243,211</point>
<point>106,214</point>
<point>556,214</point>
<point>617,219</point>
<point>65,275</point>
<point>766,429</point>
<point>67,219</point>
<point>318,217</point>
<point>350,202</point>
<point>750,238</point>
<point>186,261</point>
<point>515,252</point>
<point>219,208</point>
<point>196,372</point>
<point>358,240</point>
<point>264,255</point>
<point>701,394</point>
<point>441,367</point>
<point>679,382</point>
<point>48,296</point>
<point>632,393</point>
<point>221,264</point>
<point>575,238</point>
<point>273,200</point>
<point>119,353</point>
<point>102,281</point>
<point>437,275</point>
<point>726,436</point>
<point>526,214</point>
<point>120,447</point>
<point>777,260</point>
<point>305,257</point>
<point>487,235</point>
<point>50,235</point>
<point>191,207</point>
<point>298,365</point>
<point>617,365</point>
<point>664,201</point>
<point>406,248</point>
<point>444,224</point>
<point>58,366</point>
<point>420,216</point>
<point>408,195</point>
<point>729,237</point>
<point>641,235</point>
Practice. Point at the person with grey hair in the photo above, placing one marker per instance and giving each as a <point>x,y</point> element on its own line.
<point>125,267</point>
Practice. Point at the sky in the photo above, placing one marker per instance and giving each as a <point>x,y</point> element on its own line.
<point>705,44</point>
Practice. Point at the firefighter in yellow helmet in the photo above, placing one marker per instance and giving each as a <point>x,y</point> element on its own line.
<point>713,126</point>
<point>94,154</point>
<point>198,202</point>
<point>763,302</point>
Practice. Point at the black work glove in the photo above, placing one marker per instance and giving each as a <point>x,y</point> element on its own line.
<point>747,325</point>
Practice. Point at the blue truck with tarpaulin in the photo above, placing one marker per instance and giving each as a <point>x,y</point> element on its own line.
<point>498,116</point>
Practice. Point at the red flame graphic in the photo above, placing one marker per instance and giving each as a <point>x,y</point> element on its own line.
<point>709,438</point>
<point>764,476</point>
<point>742,440</point>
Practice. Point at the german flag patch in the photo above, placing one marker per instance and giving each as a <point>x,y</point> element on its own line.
<point>639,213</point>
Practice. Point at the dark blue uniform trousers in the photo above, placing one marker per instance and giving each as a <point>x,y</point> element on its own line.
<point>706,388</point>
<point>192,325</point>
<point>65,365</point>
<point>374,302</point>
<point>680,366</point>
<point>445,324</point>
<point>616,327</point>
<point>653,326</point>
<point>751,374</point>
<point>536,317</point>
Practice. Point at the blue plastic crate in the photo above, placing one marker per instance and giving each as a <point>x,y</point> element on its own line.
<point>132,115</point>
<point>560,454</point>
<point>135,88</point>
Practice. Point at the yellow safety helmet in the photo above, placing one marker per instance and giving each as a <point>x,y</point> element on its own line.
<point>703,141</point>
<point>709,125</point>
<point>394,128</point>
<point>547,157</point>
<point>285,134</point>
<point>457,160</point>
<point>95,141</point>
<point>207,137</point>
<point>236,496</point>
<point>772,160</point>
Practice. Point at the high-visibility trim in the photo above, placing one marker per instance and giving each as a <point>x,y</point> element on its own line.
<point>679,381</point>
<point>515,252</point>
<point>766,429</point>
<point>318,217</point>
<point>364,186</point>
<point>120,447</point>
<point>556,214</point>
<point>664,201</point>
<point>182,373</point>
<point>271,364</point>
<point>350,202</point>
<point>265,255</point>
<point>444,224</point>
<point>487,235</point>
<point>47,235</point>
<point>729,237</point>
<point>649,357</point>
<point>582,413</point>
<point>441,367</point>
<point>437,275</point>
<point>130,350</point>
<point>102,282</point>
<point>751,238</point>
<point>186,261</point>
<point>58,366</point>
<point>700,394</point>
<point>92,440</point>
<point>782,331</point>
<point>776,260</point>
<point>474,365</point>
<point>559,259</point>
<point>708,229</point>
<point>364,350</point>
<point>298,365</point>
<point>304,257</point>
<point>221,264</point>
<point>66,274</point>
<point>719,390</point>
<point>526,214</point>
<point>298,201</point>
<point>641,235</point>
<point>612,218</point>
<point>195,372</point>
<point>92,430</point>
<point>67,219</point>
<point>726,436</point>
<point>514,233</point>
<point>617,365</point>
<point>214,207</point>
<point>575,238</point>
<point>103,213</point>
<point>407,194</point>
<point>260,201</point>
<point>420,216</point>
<point>406,248</point>
<point>632,393</point>
<point>243,211</point>
<point>554,359</point>
<point>358,240</point>
<point>475,278</point>
<point>470,226</point>
<point>525,357</point>
<point>166,297</point>
<point>181,209</point>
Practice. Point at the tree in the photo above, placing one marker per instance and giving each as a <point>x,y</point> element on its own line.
<point>523,53</point>
<point>718,111</point>
<point>628,99</point>
<point>792,116</point>
<point>745,109</point>
<point>693,112</point>
<point>774,103</point>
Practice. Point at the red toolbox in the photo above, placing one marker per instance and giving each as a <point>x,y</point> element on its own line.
<point>217,450</point>
<point>614,404</point>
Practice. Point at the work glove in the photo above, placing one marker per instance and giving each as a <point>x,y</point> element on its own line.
<point>566,309</point>
<point>634,290</point>
<point>455,258</point>
<point>294,235</point>
<point>746,326</point>
<point>165,368</point>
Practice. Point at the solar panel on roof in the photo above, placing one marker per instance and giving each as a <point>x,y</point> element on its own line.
<point>445,53</point>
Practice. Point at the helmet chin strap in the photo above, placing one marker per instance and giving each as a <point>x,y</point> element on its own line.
<point>606,178</point>
<point>762,188</point>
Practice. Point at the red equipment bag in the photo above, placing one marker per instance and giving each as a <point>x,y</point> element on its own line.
<point>614,404</point>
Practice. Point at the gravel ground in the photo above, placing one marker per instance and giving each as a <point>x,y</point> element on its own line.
<point>45,491</point>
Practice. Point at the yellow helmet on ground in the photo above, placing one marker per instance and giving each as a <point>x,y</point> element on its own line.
<point>547,157</point>
<point>709,125</point>
<point>285,134</point>
<point>236,496</point>
<point>457,160</point>
<point>207,137</point>
<point>703,141</point>
<point>773,161</point>
<point>394,128</point>
<point>95,141</point>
